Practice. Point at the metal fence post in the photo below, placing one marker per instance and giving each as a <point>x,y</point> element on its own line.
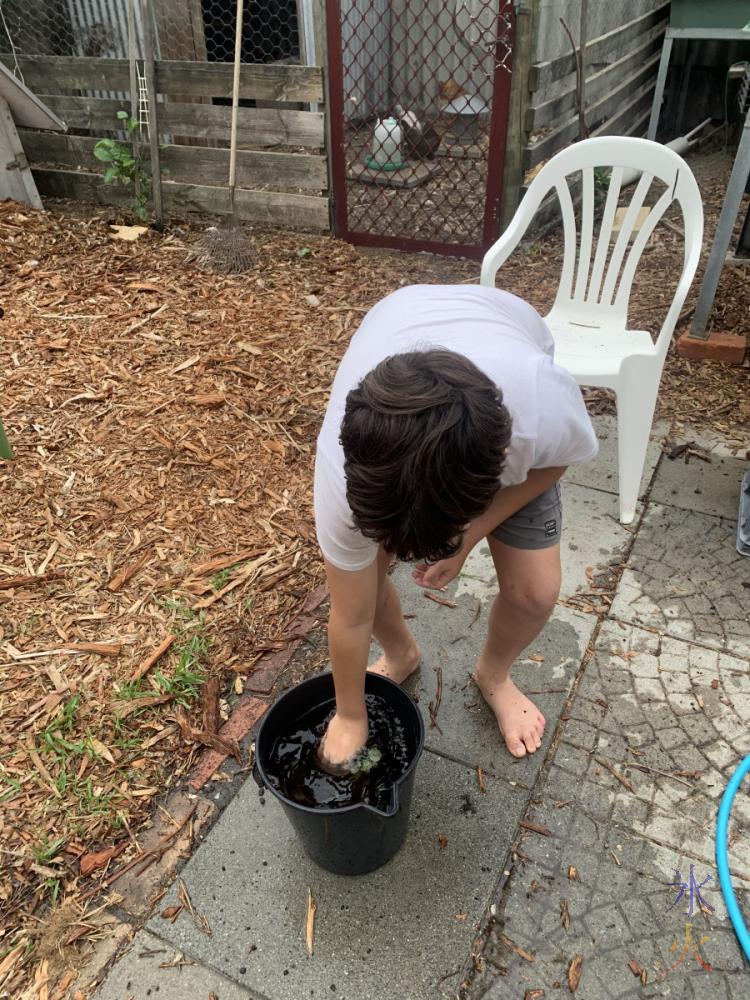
<point>725,226</point>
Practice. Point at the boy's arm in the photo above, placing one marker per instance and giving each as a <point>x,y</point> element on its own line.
<point>507,502</point>
<point>353,601</point>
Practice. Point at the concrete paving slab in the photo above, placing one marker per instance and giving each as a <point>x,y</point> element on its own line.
<point>672,719</point>
<point>601,473</point>
<point>704,487</point>
<point>396,932</point>
<point>138,976</point>
<point>449,641</point>
<point>619,920</point>
<point>685,578</point>
<point>714,442</point>
<point>593,539</point>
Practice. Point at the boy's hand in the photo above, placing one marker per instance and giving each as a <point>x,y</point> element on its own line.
<point>435,576</point>
<point>342,740</point>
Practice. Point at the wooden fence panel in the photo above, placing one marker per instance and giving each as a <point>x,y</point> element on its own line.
<point>270,82</point>
<point>598,49</point>
<point>202,165</point>
<point>621,68</point>
<point>293,211</point>
<point>598,112</point>
<point>597,84</point>
<point>255,126</point>
<point>195,176</point>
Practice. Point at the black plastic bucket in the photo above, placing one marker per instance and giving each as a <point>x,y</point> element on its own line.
<point>350,840</point>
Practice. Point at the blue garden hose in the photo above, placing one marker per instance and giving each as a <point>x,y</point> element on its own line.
<point>722,862</point>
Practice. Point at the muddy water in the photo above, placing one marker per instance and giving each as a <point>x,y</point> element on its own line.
<point>293,771</point>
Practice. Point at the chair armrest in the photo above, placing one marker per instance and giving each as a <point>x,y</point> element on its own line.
<point>499,252</point>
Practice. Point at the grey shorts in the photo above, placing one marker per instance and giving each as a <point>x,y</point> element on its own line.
<point>538,525</point>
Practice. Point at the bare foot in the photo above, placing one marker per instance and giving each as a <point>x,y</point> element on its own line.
<point>520,721</point>
<point>398,669</point>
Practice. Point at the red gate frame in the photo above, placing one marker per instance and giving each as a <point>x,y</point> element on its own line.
<point>337,152</point>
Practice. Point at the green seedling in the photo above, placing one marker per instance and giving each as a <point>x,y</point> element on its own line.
<point>219,580</point>
<point>602,177</point>
<point>53,738</point>
<point>46,852</point>
<point>185,684</point>
<point>125,169</point>
<point>366,760</point>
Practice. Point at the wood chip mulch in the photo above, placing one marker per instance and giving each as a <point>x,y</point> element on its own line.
<point>158,545</point>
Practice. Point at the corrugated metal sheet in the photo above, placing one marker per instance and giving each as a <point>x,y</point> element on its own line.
<point>100,28</point>
<point>366,56</point>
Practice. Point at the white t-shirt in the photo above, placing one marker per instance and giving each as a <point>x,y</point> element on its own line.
<point>506,339</point>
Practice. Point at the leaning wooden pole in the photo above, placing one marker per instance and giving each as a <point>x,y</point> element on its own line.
<point>149,70</point>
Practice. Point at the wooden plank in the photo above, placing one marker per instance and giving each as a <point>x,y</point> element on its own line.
<point>552,110</point>
<point>606,106</point>
<point>72,73</point>
<point>196,164</point>
<point>16,181</point>
<point>517,135</point>
<point>292,211</point>
<point>630,115</point>
<point>543,74</point>
<point>255,126</point>
<point>270,82</point>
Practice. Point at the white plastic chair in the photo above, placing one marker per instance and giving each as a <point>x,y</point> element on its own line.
<point>589,317</point>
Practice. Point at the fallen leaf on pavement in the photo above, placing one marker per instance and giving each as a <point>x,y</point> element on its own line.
<point>514,947</point>
<point>574,973</point>
<point>535,828</point>
<point>97,859</point>
<point>310,923</point>
<point>442,840</point>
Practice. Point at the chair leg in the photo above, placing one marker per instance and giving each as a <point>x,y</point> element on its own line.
<point>636,402</point>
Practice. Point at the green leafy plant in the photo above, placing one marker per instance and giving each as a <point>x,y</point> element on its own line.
<point>124,168</point>
<point>366,760</point>
<point>47,851</point>
<point>219,580</point>
<point>602,177</point>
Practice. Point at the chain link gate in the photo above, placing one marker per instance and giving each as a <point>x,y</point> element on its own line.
<point>419,94</point>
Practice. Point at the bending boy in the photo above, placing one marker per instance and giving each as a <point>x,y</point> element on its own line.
<point>448,422</point>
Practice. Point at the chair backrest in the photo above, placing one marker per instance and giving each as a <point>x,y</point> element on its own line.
<point>597,275</point>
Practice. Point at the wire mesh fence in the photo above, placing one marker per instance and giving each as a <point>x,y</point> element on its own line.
<point>200,30</point>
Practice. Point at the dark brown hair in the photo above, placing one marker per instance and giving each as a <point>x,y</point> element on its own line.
<point>424,437</point>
